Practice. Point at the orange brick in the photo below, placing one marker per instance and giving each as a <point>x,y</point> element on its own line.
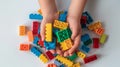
<point>25,47</point>
<point>30,36</point>
<point>22,30</point>
<point>39,11</point>
<point>51,65</point>
<point>99,31</point>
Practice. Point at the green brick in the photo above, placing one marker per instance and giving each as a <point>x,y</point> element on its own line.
<point>103,38</point>
<point>88,42</point>
<point>73,57</point>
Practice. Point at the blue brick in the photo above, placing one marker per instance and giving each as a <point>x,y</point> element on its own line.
<point>62,65</point>
<point>36,39</point>
<point>85,48</point>
<point>35,51</point>
<point>89,18</point>
<point>85,37</point>
<point>63,16</point>
<point>50,45</point>
<point>35,16</point>
<point>57,63</point>
<point>55,30</point>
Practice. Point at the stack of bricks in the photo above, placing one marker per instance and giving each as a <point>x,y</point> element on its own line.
<point>59,32</point>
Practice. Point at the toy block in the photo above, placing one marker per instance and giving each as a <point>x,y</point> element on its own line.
<point>62,35</point>
<point>85,48</point>
<point>99,31</point>
<point>51,65</point>
<point>41,43</point>
<point>95,42</point>
<point>90,58</point>
<point>103,38</point>
<point>36,39</point>
<point>83,26</point>
<point>50,45</point>
<point>85,37</point>
<point>66,44</point>
<point>62,16</point>
<point>30,36</point>
<point>89,18</point>
<point>81,54</point>
<point>83,20</point>
<point>35,51</point>
<point>57,63</point>
<point>60,25</point>
<point>48,32</point>
<point>25,47</point>
<point>43,58</point>
<point>64,60</point>
<point>39,11</point>
<point>73,57</point>
<point>22,30</point>
<point>35,26</point>
<point>55,30</point>
<point>95,25</point>
<point>62,65</point>
<point>88,42</point>
<point>69,32</point>
<point>35,16</point>
<point>76,65</point>
<point>49,55</point>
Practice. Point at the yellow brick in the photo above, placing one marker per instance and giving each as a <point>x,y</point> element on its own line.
<point>64,60</point>
<point>66,44</point>
<point>76,65</point>
<point>60,24</point>
<point>39,11</point>
<point>43,58</point>
<point>48,33</point>
<point>22,30</point>
<point>81,54</point>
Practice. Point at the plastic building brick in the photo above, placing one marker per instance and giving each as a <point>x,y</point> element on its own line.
<point>39,11</point>
<point>25,47</point>
<point>90,58</point>
<point>36,25</point>
<point>59,24</point>
<point>69,32</point>
<point>83,19</point>
<point>57,63</point>
<point>103,38</point>
<point>30,36</point>
<point>62,35</point>
<point>41,43</point>
<point>76,65</point>
<point>85,37</point>
<point>89,18</point>
<point>62,16</point>
<point>55,30</point>
<point>83,26</point>
<point>43,58</point>
<point>88,42</point>
<point>85,48</point>
<point>81,54</point>
<point>99,31</point>
<point>66,44</point>
<point>73,57</point>
<point>36,39</point>
<point>50,45</point>
<point>95,42</point>
<point>95,25</point>
<point>49,55</point>
<point>48,33</point>
<point>22,30</point>
<point>51,65</point>
<point>35,51</point>
<point>35,16</point>
<point>62,65</point>
<point>64,60</point>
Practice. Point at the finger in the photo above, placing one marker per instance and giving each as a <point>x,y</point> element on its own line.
<point>58,51</point>
<point>75,44</point>
<point>42,28</point>
<point>74,33</point>
<point>66,53</point>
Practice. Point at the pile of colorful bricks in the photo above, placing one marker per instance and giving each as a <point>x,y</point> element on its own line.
<point>59,33</point>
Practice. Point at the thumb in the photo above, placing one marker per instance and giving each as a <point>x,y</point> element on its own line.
<point>42,29</point>
<point>74,34</point>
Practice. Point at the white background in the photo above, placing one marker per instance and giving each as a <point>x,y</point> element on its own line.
<point>15,12</point>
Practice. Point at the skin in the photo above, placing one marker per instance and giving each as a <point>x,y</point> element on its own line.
<point>49,12</point>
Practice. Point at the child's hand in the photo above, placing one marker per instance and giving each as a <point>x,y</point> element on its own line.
<point>74,24</point>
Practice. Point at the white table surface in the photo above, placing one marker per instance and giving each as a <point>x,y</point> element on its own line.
<point>15,12</point>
